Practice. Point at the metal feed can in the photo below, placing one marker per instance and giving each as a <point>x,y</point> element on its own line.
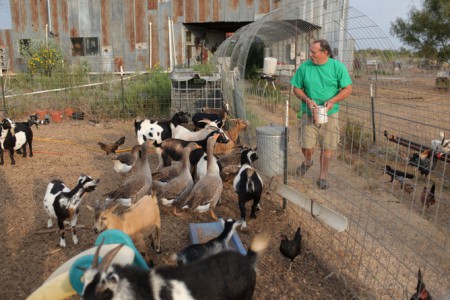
<point>321,113</point>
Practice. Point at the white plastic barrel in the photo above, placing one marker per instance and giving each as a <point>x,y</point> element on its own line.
<point>270,65</point>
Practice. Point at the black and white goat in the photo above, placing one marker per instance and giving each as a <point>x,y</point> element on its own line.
<point>227,275</point>
<point>219,116</point>
<point>158,130</point>
<point>14,137</point>
<point>196,252</point>
<point>248,184</point>
<point>62,204</point>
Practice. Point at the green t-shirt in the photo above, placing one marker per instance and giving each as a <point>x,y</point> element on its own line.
<point>321,82</point>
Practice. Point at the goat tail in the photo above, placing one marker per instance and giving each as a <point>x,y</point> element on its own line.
<point>250,182</point>
<point>258,244</point>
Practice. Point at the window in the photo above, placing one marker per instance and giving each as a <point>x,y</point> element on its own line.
<point>24,47</point>
<point>85,46</point>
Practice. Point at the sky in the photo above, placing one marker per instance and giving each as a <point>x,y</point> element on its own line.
<point>5,15</point>
<point>383,12</point>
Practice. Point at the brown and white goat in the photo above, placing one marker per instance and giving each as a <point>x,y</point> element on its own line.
<point>139,221</point>
<point>232,135</point>
<point>62,204</point>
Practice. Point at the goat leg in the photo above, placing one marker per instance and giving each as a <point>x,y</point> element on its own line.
<point>11,155</point>
<point>24,147</point>
<point>1,156</point>
<point>62,240</point>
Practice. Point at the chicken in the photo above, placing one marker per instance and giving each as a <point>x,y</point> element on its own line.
<point>421,292</point>
<point>112,147</point>
<point>424,161</point>
<point>397,174</point>
<point>427,198</point>
<point>291,248</point>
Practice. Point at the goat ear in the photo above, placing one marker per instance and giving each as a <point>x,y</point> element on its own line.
<point>107,259</point>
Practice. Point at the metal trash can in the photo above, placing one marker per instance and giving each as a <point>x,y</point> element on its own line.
<point>270,148</point>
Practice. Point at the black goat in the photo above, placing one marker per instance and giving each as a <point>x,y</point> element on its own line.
<point>248,184</point>
<point>15,137</point>
<point>213,114</point>
<point>196,252</point>
<point>227,275</point>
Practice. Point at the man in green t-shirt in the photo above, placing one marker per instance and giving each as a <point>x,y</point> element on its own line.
<point>320,81</point>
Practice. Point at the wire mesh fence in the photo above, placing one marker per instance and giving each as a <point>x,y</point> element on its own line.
<point>394,114</point>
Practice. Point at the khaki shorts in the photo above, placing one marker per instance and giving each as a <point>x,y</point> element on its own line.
<point>326,134</point>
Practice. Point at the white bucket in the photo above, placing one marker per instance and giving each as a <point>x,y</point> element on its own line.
<point>270,65</point>
<point>322,116</point>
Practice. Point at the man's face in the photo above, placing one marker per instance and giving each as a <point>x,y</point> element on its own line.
<point>317,56</point>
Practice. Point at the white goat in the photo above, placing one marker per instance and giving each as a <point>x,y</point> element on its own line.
<point>182,133</point>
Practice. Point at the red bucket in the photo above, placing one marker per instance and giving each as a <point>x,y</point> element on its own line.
<point>56,116</point>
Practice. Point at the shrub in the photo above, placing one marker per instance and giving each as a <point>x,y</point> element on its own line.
<point>42,58</point>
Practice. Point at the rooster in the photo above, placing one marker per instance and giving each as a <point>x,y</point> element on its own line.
<point>424,161</point>
<point>397,174</point>
<point>111,148</point>
<point>291,248</point>
<point>427,198</point>
<point>421,292</point>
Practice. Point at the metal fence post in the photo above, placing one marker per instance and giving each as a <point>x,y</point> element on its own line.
<point>373,113</point>
<point>3,93</point>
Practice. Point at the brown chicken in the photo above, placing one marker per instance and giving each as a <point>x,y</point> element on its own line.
<point>111,148</point>
<point>426,197</point>
<point>291,248</point>
<point>421,292</point>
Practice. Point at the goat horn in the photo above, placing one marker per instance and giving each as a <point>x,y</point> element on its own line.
<point>107,259</point>
<point>97,252</point>
<point>173,109</point>
<point>205,121</point>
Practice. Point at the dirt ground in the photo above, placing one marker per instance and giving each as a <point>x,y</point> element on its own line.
<point>66,150</point>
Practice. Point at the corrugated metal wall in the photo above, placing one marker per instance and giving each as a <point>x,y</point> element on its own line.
<point>123,27</point>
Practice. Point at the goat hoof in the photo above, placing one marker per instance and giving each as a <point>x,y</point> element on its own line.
<point>13,163</point>
<point>159,251</point>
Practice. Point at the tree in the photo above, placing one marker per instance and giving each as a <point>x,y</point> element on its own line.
<point>428,30</point>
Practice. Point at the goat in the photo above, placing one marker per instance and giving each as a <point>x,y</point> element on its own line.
<point>139,221</point>
<point>248,184</point>
<point>171,149</point>
<point>213,114</point>
<point>196,252</point>
<point>62,204</point>
<point>183,133</point>
<point>233,135</point>
<point>227,275</point>
<point>158,130</point>
<point>15,137</point>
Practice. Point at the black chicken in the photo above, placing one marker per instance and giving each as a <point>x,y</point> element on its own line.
<point>425,161</point>
<point>291,248</point>
<point>397,174</point>
<point>426,197</point>
<point>111,148</point>
<point>421,292</point>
